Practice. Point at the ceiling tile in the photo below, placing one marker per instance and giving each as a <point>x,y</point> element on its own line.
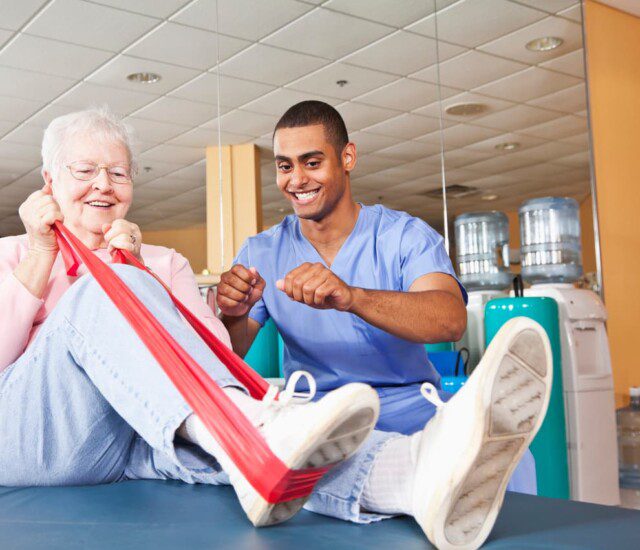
<point>347,34</point>
<point>158,168</point>
<point>177,153</point>
<point>195,172</point>
<point>552,150</point>
<point>405,94</point>
<point>405,126</point>
<point>17,167</point>
<point>248,19</point>
<point>30,85</point>
<point>244,122</point>
<point>528,84</point>
<point>402,53</point>
<point>44,116</point>
<point>574,13</point>
<point>177,111</point>
<point>469,70</point>
<point>77,22</point>
<point>15,14</point>
<point>576,160</point>
<point>4,36</point>
<point>27,134</point>
<point>471,23</point>
<point>52,57</point>
<point>515,118</point>
<point>234,92</point>
<point>409,151</point>
<point>493,105</point>
<point>489,145</point>
<point>368,143</point>
<point>153,131</point>
<point>115,74</point>
<point>204,137</point>
<point>513,45</point>
<point>277,102</point>
<point>369,164</point>
<point>270,65</point>
<point>87,94</point>
<point>386,12</point>
<point>185,46</point>
<point>155,8</point>
<point>569,100</point>
<point>13,109</point>
<point>558,128</point>
<point>19,151</point>
<point>551,6</point>
<point>358,81</point>
<point>357,115</point>
<point>571,63</point>
<point>460,135</point>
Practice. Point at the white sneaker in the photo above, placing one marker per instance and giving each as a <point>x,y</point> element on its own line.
<point>305,435</point>
<point>470,448</point>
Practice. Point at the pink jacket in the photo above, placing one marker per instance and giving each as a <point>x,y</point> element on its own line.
<point>21,313</point>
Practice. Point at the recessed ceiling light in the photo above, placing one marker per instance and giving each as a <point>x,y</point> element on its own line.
<point>544,44</point>
<point>466,109</point>
<point>508,146</point>
<point>342,83</point>
<point>144,78</point>
<point>489,197</point>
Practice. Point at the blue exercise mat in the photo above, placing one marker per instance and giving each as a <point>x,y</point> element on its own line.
<point>170,515</point>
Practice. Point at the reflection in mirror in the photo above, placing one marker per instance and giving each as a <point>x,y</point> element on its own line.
<point>516,128</point>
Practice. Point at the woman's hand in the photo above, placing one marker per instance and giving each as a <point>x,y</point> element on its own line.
<point>38,213</point>
<point>123,235</point>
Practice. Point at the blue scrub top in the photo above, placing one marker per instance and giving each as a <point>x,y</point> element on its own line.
<point>387,250</point>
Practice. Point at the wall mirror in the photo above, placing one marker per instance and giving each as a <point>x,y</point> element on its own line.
<point>509,74</point>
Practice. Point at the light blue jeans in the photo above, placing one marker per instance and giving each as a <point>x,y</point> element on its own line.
<point>87,404</point>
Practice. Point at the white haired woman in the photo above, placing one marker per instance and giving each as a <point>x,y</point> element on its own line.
<point>83,401</point>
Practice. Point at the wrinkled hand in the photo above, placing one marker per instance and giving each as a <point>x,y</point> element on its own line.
<point>123,235</point>
<point>38,213</point>
<point>318,287</point>
<point>239,289</point>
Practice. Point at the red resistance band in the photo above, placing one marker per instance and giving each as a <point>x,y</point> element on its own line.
<point>246,447</point>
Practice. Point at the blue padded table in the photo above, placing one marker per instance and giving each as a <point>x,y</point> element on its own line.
<point>169,515</point>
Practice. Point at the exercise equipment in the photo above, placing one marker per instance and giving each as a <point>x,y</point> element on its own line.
<point>169,515</point>
<point>267,474</point>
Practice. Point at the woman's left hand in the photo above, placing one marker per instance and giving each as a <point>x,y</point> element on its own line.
<point>123,235</point>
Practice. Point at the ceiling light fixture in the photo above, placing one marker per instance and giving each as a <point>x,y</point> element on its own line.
<point>144,78</point>
<point>508,146</point>
<point>342,83</point>
<point>466,109</point>
<point>544,44</point>
<point>489,197</point>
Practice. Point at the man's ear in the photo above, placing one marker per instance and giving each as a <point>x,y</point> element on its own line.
<point>349,157</point>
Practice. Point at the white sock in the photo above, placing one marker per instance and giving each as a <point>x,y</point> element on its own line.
<point>194,430</point>
<point>388,489</point>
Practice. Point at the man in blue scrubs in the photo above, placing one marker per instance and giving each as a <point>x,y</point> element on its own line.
<point>355,291</point>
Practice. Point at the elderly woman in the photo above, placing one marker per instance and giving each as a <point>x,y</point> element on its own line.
<point>82,401</point>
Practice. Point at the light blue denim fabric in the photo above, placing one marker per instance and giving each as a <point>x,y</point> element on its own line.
<point>88,404</point>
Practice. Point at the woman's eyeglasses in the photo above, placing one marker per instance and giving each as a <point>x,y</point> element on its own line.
<point>84,171</point>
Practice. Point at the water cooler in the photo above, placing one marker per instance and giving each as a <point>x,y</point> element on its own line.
<point>551,261</point>
<point>482,253</point>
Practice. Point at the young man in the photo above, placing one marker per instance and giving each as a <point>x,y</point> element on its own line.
<point>355,291</point>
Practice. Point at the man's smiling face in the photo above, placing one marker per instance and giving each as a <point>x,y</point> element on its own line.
<point>310,172</point>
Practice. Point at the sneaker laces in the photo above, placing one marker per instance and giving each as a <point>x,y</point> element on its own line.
<point>430,393</point>
<point>275,401</point>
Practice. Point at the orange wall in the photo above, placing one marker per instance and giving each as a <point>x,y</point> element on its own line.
<point>191,242</point>
<point>613,46</point>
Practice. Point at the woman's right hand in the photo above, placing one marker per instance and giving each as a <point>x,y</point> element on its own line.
<point>38,213</point>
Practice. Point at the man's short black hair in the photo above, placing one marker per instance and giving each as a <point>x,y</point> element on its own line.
<point>309,113</point>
